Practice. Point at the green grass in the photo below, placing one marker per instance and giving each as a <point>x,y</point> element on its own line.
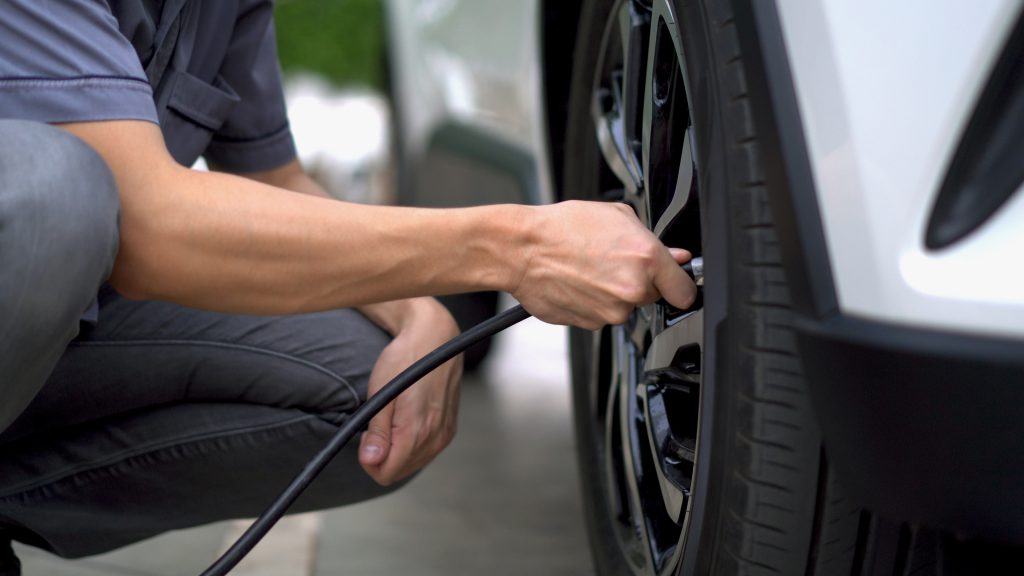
<point>342,40</point>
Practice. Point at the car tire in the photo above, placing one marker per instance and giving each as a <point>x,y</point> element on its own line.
<point>757,497</point>
<point>698,449</point>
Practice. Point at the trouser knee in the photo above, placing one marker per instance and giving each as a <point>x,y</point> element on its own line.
<point>58,239</point>
<point>58,203</point>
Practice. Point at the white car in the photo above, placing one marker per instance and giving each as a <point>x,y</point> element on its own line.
<point>848,395</point>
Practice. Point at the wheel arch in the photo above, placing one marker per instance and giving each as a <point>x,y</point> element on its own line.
<point>559,22</point>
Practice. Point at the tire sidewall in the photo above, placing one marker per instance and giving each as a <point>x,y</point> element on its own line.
<point>729,324</point>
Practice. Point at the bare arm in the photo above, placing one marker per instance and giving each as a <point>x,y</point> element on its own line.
<point>390,315</point>
<point>223,242</point>
<point>232,244</point>
<point>292,177</point>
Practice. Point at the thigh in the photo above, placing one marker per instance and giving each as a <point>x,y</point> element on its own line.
<point>163,417</point>
<point>130,477</point>
<point>148,354</point>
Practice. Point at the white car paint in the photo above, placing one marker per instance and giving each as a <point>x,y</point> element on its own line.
<point>472,62</point>
<point>885,90</point>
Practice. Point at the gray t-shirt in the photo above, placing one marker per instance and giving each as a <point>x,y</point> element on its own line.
<point>205,70</point>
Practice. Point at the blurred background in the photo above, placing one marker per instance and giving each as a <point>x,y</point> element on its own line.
<point>334,57</point>
<point>502,499</point>
<point>340,41</point>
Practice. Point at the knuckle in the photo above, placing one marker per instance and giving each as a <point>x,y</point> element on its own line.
<point>633,293</point>
<point>650,252</point>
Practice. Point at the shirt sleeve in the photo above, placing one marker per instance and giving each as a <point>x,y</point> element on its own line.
<point>66,61</point>
<point>256,135</point>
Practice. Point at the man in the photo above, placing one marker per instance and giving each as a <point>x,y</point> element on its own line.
<point>174,344</point>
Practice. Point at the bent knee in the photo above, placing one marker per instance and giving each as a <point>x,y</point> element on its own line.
<point>58,203</point>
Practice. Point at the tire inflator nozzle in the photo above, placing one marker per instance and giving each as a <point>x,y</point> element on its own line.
<point>695,269</point>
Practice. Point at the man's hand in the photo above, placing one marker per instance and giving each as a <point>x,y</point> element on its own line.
<point>414,428</point>
<point>590,264</point>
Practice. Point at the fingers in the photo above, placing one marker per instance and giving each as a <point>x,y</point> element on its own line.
<point>680,256</point>
<point>401,459</point>
<point>420,424</point>
<point>375,444</point>
<point>416,441</point>
<point>674,285</point>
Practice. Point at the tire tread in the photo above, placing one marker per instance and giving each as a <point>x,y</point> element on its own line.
<point>776,446</point>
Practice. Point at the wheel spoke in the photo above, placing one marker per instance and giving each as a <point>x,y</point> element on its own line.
<point>666,147</point>
<point>685,332</point>
<point>660,440</point>
<point>631,458</point>
<point>685,188</point>
<point>611,137</point>
<point>616,105</point>
<point>634,23</point>
<point>612,463</point>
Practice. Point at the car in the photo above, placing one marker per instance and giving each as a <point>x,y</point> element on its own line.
<point>847,394</point>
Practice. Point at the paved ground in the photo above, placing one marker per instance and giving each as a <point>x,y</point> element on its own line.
<point>501,500</point>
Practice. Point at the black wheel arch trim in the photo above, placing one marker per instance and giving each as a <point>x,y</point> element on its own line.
<point>559,24</point>
<point>922,426</point>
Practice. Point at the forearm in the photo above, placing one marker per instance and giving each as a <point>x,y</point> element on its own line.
<point>227,243</point>
<point>392,316</point>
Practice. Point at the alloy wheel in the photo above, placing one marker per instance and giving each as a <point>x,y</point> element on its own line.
<point>647,385</point>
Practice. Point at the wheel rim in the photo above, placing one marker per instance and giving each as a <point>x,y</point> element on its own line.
<point>646,384</point>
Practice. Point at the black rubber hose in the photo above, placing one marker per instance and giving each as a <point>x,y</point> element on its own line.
<point>359,419</point>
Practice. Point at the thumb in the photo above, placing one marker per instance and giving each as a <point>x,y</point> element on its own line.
<point>680,256</point>
<point>674,285</point>
<point>376,441</point>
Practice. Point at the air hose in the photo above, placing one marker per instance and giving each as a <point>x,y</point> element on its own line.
<point>359,419</point>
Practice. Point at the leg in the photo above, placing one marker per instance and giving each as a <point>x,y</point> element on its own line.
<point>163,417</point>
<point>58,239</point>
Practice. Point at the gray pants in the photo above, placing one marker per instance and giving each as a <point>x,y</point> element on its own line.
<point>157,417</point>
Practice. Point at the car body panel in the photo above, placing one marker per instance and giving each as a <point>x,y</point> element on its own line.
<point>885,90</point>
